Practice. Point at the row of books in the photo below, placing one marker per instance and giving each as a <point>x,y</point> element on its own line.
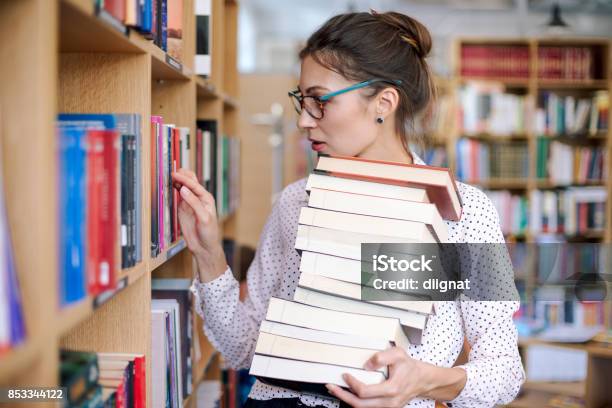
<point>158,20</point>
<point>106,380</point>
<point>436,156</point>
<point>487,108</point>
<point>170,151</point>
<point>565,164</point>
<point>512,210</point>
<point>494,61</point>
<point>328,328</point>
<point>172,339</point>
<point>210,394</point>
<point>218,165</point>
<point>571,115</point>
<point>12,323</point>
<point>100,201</point>
<point>565,62</point>
<point>571,211</point>
<point>476,160</point>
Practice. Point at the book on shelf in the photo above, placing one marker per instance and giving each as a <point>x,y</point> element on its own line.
<point>170,149</point>
<point>566,62</point>
<point>207,156</point>
<point>480,161</point>
<point>549,363</point>
<point>570,211</point>
<point>576,116</point>
<point>209,394</point>
<point>512,210</point>
<point>100,199</point>
<point>565,164</point>
<point>124,375</point>
<point>175,29</point>
<point>202,64</point>
<point>79,373</point>
<point>486,107</point>
<point>178,289</point>
<point>436,156</point>
<point>328,327</point>
<point>166,364</point>
<point>12,321</point>
<point>494,61</point>
<point>228,174</point>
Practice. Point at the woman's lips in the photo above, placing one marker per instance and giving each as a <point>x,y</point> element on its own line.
<point>318,146</point>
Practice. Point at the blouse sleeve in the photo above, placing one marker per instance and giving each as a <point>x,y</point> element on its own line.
<point>232,325</point>
<point>494,368</point>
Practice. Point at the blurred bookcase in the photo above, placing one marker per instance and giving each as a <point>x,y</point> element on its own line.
<point>59,56</point>
<point>544,91</point>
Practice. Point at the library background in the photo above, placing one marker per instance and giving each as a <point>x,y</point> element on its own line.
<point>95,276</point>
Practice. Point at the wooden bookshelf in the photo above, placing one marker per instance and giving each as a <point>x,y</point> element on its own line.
<point>594,389</point>
<point>60,57</point>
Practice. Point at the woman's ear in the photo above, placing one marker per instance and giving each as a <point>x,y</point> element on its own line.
<point>387,101</point>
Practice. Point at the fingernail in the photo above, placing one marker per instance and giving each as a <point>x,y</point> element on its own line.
<point>184,191</point>
<point>344,377</point>
<point>329,388</point>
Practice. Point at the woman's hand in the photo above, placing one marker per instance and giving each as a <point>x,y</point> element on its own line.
<point>197,215</point>
<point>408,379</point>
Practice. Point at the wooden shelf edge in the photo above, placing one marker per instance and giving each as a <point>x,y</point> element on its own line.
<point>18,359</point>
<point>168,253</point>
<point>569,388</point>
<point>230,102</point>
<point>72,315</point>
<point>205,88</point>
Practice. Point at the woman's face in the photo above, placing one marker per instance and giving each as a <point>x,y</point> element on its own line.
<point>348,127</point>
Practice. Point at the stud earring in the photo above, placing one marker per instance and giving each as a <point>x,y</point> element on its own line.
<point>379,120</point>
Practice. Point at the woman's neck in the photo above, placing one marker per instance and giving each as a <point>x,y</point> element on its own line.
<point>387,149</point>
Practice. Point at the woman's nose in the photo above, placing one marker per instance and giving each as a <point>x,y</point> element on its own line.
<point>305,121</point>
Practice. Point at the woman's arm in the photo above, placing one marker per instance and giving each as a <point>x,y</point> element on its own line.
<point>231,325</point>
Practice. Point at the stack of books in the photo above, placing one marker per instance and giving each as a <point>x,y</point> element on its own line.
<point>328,329</point>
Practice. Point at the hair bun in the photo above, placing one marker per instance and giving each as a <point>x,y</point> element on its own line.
<point>409,30</point>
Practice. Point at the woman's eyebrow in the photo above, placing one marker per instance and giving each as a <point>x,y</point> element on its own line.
<point>315,88</point>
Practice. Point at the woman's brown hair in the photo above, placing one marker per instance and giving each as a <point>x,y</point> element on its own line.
<point>362,46</point>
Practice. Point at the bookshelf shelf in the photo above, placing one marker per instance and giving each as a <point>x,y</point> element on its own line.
<point>569,84</point>
<point>574,389</point>
<point>511,82</point>
<point>546,184</point>
<point>489,137</point>
<point>63,58</point>
<point>167,254</point>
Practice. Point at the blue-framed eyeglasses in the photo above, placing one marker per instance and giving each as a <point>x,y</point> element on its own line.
<point>315,105</point>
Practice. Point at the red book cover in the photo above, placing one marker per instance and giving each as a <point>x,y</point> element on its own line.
<point>116,8</point>
<point>140,383</point>
<point>176,156</point>
<point>103,204</point>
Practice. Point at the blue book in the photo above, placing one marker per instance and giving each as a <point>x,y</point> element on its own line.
<point>72,222</point>
<point>147,16</point>
<point>164,25</point>
<point>87,120</point>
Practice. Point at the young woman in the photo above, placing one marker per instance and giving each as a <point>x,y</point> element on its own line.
<point>363,79</point>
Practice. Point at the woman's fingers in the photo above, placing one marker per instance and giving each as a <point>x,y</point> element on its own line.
<point>383,389</point>
<point>384,358</point>
<point>188,173</point>
<point>354,401</point>
<point>192,184</point>
<point>196,205</point>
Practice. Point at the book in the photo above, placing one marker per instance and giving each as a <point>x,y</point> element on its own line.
<point>175,29</point>
<point>364,224</point>
<point>345,244</point>
<point>178,289</point>
<point>202,63</point>
<point>356,291</point>
<point>366,188</point>
<point>173,343</point>
<point>296,349</point>
<point>410,322</point>
<point>72,213</point>
<point>320,336</point>
<point>437,181</point>
<point>159,358</point>
<point>305,376</point>
<point>298,314</point>
<point>79,373</point>
<point>425,213</point>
